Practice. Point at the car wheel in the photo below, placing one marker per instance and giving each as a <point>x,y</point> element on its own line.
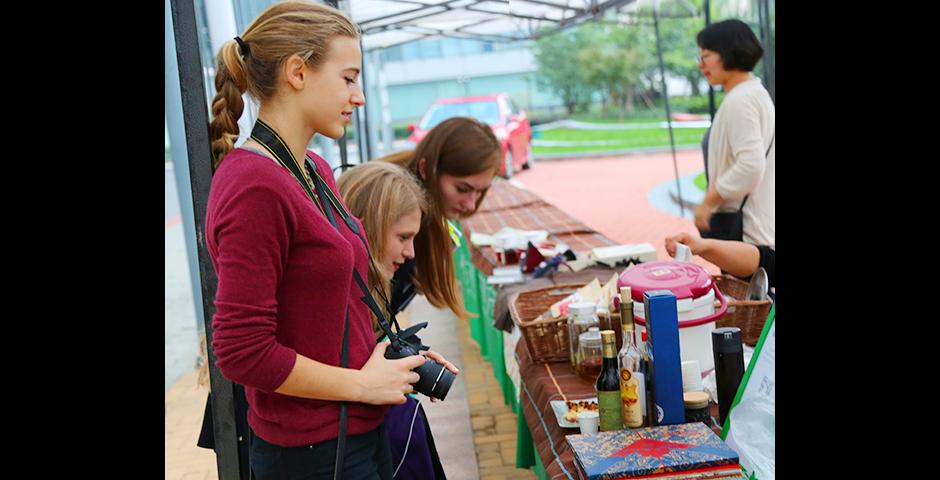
<point>528,158</point>
<point>509,167</point>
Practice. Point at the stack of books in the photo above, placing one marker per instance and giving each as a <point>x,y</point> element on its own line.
<point>669,452</point>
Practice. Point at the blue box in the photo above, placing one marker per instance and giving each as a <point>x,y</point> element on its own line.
<point>662,322</point>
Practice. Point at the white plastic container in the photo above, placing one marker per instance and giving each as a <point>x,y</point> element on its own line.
<point>695,302</point>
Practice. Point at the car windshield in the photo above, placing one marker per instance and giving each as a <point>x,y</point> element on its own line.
<point>487,112</point>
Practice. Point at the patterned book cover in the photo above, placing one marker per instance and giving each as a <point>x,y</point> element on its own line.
<point>650,451</point>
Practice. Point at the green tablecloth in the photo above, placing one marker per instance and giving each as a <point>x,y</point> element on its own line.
<point>478,300</point>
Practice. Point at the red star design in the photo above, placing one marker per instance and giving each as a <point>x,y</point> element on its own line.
<point>650,448</point>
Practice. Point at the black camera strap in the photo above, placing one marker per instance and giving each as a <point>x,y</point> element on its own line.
<point>324,192</point>
<point>277,148</point>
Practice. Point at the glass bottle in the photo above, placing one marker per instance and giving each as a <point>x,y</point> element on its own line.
<point>632,379</point>
<point>581,317</point>
<point>608,386</point>
<point>589,354</point>
<point>648,405</point>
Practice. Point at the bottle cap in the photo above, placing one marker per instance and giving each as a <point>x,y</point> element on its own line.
<point>695,400</point>
<point>625,294</point>
<point>727,340</point>
<point>593,334</point>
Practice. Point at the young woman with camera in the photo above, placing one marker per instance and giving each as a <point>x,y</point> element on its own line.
<point>289,324</point>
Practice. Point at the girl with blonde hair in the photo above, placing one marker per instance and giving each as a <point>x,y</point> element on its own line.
<point>289,324</point>
<point>391,203</point>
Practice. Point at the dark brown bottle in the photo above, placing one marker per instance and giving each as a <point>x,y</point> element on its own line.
<point>608,385</point>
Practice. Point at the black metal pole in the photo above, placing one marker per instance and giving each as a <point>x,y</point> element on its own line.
<point>672,141</point>
<point>195,120</point>
<point>711,90</point>
<point>344,161</point>
<point>763,11</point>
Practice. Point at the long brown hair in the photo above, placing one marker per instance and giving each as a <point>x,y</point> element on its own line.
<point>284,29</point>
<point>460,147</point>
<point>380,194</point>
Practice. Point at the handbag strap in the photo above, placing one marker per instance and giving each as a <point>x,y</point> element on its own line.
<point>765,158</point>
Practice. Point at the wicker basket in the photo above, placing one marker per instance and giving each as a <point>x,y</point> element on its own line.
<point>748,315</point>
<point>547,340</point>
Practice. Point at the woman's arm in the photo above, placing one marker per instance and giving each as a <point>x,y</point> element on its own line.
<point>746,147</point>
<point>737,258</point>
<point>703,211</point>
<point>379,382</point>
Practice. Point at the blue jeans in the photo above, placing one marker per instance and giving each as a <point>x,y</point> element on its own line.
<point>367,457</point>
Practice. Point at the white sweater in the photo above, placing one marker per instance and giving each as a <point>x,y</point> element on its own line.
<point>739,138</point>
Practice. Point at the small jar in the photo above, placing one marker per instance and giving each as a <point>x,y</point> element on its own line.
<point>589,354</point>
<point>696,408</point>
<point>581,318</point>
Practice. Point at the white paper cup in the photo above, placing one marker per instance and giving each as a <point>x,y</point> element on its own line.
<point>588,421</point>
<point>691,376</point>
<point>683,253</point>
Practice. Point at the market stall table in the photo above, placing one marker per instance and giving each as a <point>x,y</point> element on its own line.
<point>542,383</point>
<point>506,205</point>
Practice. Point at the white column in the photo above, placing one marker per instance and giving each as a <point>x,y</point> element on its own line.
<point>386,123</point>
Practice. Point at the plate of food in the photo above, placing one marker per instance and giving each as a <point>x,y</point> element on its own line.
<point>566,412</point>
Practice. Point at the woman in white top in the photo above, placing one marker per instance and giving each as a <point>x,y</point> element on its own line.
<point>740,146</point>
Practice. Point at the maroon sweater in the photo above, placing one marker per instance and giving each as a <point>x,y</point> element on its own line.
<point>285,285</point>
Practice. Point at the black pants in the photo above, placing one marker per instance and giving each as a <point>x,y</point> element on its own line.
<point>367,457</point>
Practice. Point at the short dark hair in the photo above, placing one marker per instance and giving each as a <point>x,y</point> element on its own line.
<point>734,41</point>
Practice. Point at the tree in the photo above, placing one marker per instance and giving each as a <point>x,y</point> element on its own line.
<point>680,49</point>
<point>619,54</point>
<point>677,30</point>
<point>558,70</point>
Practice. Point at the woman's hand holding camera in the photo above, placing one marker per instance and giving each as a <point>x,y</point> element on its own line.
<point>383,381</point>
<point>443,361</point>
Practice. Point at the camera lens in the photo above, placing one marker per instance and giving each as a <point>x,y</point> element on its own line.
<point>435,379</point>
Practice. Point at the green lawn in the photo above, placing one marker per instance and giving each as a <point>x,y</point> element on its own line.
<point>587,119</point>
<point>700,182</point>
<point>621,139</point>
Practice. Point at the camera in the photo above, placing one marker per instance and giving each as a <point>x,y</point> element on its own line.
<point>435,379</point>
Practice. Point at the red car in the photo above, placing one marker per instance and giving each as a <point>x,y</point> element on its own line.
<point>509,123</point>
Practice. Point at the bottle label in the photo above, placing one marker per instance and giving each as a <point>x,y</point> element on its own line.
<point>633,397</point>
<point>609,405</point>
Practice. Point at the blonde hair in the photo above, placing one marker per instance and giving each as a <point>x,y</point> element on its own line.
<point>460,147</point>
<point>380,194</point>
<point>283,29</point>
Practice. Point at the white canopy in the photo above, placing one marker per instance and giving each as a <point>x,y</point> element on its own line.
<point>386,23</point>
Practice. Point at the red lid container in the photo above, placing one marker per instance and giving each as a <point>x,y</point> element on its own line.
<point>685,280</point>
